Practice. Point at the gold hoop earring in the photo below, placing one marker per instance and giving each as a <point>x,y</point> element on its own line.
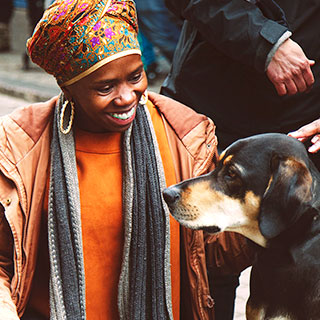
<point>144,98</point>
<point>62,115</point>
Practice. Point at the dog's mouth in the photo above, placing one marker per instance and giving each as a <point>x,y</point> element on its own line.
<point>212,229</point>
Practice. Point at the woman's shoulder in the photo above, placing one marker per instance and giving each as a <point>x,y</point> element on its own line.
<point>191,135</point>
<point>180,117</point>
<point>22,129</point>
<point>31,119</point>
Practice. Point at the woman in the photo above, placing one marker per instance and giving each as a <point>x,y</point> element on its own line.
<point>86,169</point>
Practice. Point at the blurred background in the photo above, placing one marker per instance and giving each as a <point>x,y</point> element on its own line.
<point>20,78</point>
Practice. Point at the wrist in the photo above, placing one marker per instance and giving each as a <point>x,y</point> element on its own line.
<point>272,52</point>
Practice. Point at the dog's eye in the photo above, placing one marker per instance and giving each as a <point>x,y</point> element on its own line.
<point>231,173</point>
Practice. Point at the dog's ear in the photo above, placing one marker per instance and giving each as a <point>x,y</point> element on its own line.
<point>288,192</point>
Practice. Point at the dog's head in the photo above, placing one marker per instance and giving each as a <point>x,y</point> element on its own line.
<point>261,185</point>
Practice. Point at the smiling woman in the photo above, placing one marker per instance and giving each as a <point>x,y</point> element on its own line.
<point>107,99</point>
<point>81,180</point>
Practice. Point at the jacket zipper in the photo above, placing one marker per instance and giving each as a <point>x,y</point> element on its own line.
<point>195,259</point>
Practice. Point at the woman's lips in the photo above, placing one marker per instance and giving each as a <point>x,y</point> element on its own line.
<point>124,115</point>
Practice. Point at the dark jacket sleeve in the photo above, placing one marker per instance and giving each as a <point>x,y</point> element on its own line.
<point>237,28</point>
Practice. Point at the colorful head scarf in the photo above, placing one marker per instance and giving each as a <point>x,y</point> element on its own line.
<point>76,37</point>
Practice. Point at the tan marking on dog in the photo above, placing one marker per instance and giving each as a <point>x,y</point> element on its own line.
<point>227,159</point>
<point>259,313</point>
<point>292,166</point>
<point>268,186</point>
<point>252,203</point>
<point>222,155</point>
<point>197,196</point>
<point>250,229</point>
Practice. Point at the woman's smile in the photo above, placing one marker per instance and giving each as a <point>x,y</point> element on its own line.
<point>124,115</point>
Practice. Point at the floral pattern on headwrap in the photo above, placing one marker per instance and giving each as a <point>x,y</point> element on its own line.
<point>75,37</point>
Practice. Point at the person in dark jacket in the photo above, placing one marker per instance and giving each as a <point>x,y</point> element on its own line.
<point>244,69</point>
<point>244,64</point>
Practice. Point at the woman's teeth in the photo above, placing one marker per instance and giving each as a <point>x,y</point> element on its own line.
<point>123,116</point>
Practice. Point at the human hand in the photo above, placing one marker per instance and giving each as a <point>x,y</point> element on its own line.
<point>305,132</point>
<point>290,70</point>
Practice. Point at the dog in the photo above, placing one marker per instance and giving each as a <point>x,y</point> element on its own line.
<point>266,188</point>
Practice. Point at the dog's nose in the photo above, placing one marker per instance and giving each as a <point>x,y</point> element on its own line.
<point>171,195</point>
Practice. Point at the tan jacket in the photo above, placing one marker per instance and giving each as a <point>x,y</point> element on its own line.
<point>24,167</point>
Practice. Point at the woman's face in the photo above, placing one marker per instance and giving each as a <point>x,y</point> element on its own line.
<point>106,100</point>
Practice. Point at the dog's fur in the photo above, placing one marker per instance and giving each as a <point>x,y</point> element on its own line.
<point>265,188</point>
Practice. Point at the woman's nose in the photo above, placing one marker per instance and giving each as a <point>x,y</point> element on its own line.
<point>125,96</point>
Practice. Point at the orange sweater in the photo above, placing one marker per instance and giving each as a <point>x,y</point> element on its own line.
<point>100,181</point>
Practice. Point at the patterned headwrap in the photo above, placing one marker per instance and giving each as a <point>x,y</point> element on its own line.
<point>76,37</point>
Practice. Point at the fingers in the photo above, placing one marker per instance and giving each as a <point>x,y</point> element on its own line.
<point>281,88</point>
<point>292,85</point>
<point>311,62</point>
<point>309,130</point>
<point>297,136</point>
<point>315,144</point>
<point>302,81</point>
<point>308,75</point>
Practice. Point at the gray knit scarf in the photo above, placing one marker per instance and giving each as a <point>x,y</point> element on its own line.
<point>145,282</point>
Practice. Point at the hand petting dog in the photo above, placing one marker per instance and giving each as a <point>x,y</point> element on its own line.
<point>311,130</point>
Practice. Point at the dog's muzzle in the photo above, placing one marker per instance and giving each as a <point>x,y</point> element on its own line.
<point>171,195</point>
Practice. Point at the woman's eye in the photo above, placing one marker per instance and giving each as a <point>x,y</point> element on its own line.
<point>136,77</point>
<point>105,89</point>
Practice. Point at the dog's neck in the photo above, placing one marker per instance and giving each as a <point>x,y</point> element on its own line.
<point>283,249</point>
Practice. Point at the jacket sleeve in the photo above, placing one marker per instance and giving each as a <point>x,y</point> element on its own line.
<point>7,307</point>
<point>237,28</point>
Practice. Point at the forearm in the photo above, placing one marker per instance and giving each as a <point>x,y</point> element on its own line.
<point>237,28</point>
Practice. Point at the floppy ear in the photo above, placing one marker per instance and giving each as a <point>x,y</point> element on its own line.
<point>288,192</point>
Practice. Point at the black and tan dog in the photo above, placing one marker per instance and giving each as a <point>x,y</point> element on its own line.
<point>266,188</point>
